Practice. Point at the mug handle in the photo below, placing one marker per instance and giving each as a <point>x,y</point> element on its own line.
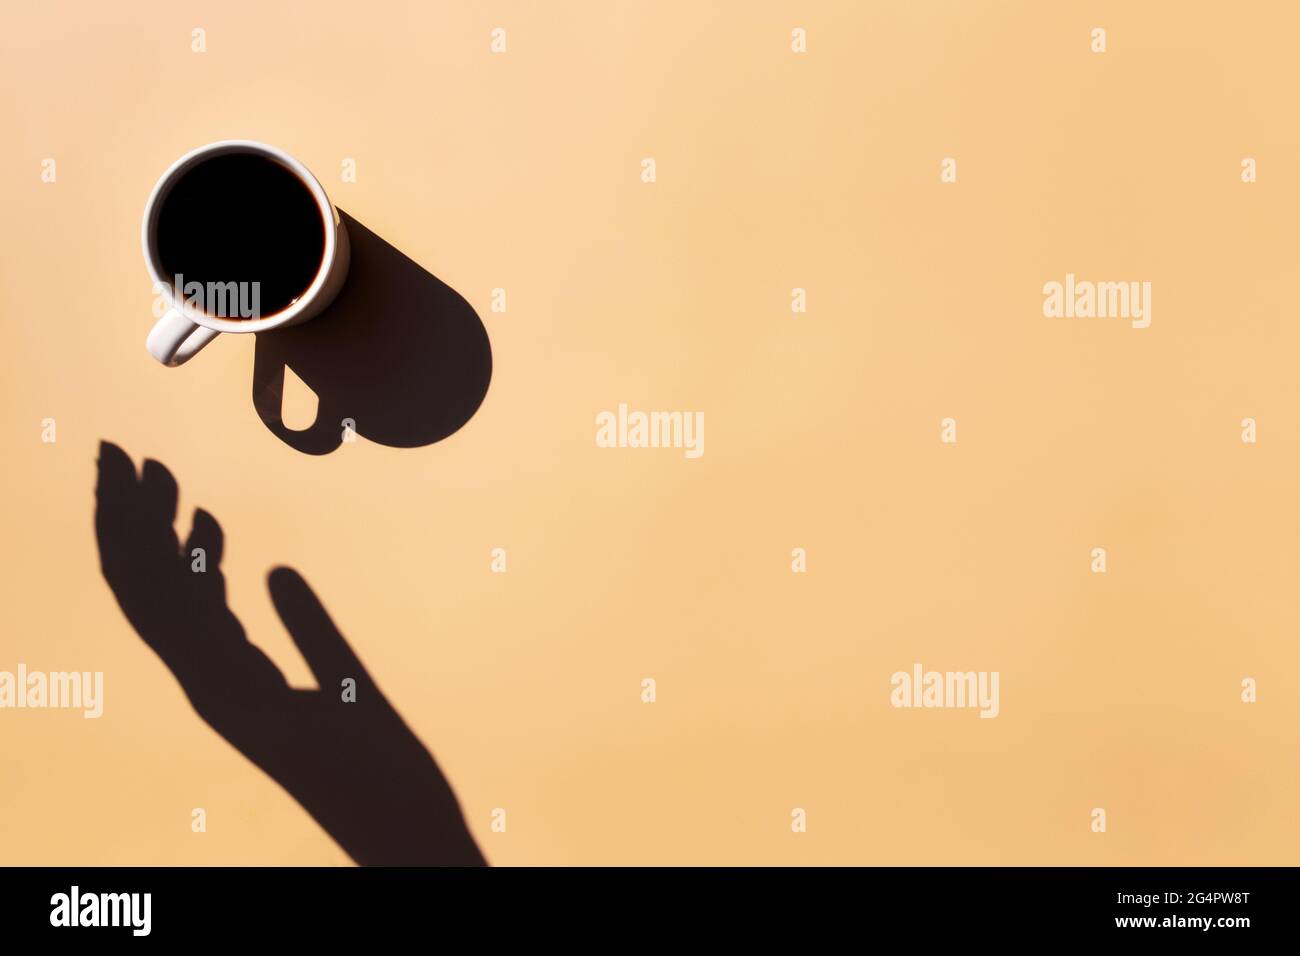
<point>175,339</point>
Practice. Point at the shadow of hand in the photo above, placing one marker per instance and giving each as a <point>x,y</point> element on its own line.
<point>354,766</point>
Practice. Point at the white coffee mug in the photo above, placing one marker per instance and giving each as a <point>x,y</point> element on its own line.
<point>184,330</point>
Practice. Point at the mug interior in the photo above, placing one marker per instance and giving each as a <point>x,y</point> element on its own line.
<point>190,162</point>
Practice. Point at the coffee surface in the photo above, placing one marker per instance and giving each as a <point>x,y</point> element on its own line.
<point>245,219</point>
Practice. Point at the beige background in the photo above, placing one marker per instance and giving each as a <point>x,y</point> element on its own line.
<point>775,170</point>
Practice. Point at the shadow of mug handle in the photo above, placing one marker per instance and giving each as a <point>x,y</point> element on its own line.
<point>319,438</point>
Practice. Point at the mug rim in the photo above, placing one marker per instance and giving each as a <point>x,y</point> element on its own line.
<point>222,148</point>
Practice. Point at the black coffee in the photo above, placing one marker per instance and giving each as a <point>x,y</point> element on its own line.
<point>245,219</point>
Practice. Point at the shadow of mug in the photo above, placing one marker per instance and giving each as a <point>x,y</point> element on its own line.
<point>399,354</point>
